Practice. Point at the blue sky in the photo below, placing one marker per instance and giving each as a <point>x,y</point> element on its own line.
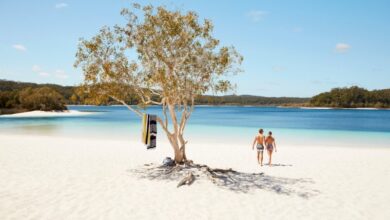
<point>290,48</point>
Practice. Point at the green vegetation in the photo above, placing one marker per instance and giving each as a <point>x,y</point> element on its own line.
<point>177,60</point>
<point>7,85</point>
<point>352,97</point>
<point>74,96</point>
<point>250,100</point>
<point>19,97</point>
<point>43,98</point>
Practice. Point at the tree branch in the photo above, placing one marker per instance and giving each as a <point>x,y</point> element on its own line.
<point>165,112</point>
<point>173,117</point>
<point>183,119</point>
<point>186,114</point>
<point>128,106</point>
<point>163,126</point>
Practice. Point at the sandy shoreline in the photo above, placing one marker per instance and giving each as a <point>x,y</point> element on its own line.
<point>65,178</point>
<point>32,114</point>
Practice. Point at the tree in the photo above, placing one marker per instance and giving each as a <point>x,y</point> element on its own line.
<point>176,60</point>
<point>352,97</point>
<point>42,98</point>
<point>73,99</point>
<point>7,99</point>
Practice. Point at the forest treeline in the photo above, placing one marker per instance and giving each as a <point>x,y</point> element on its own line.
<point>21,96</point>
<point>352,97</point>
<point>10,96</point>
<point>249,100</point>
<point>29,99</point>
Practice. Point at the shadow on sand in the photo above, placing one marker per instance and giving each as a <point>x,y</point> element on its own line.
<point>229,179</point>
<point>278,165</point>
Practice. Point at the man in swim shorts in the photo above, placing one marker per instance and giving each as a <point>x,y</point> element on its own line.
<point>260,140</point>
<point>271,145</point>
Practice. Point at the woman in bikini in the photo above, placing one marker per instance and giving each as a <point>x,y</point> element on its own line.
<point>271,145</point>
<point>259,139</point>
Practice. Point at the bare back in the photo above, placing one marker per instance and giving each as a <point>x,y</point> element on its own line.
<point>269,140</point>
<point>260,139</point>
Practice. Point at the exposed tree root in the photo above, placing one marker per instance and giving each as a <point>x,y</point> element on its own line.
<point>229,179</point>
<point>189,179</point>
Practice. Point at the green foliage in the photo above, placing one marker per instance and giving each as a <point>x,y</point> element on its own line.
<point>7,85</point>
<point>352,97</point>
<point>338,97</point>
<point>9,91</point>
<point>249,100</point>
<point>43,98</point>
<point>17,97</point>
<point>8,99</point>
<point>177,59</point>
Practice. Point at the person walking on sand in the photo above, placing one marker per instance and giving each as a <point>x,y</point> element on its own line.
<point>271,145</point>
<point>259,139</point>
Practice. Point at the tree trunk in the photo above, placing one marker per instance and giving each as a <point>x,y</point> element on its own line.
<point>182,146</point>
<point>179,149</point>
<point>180,156</point>
<point>176,138</point>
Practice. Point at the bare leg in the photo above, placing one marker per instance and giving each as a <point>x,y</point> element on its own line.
<point>270,157</point>
<point>261,158</point>
<point>258,157</point>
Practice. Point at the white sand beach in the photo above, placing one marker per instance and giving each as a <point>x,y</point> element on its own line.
<point>38,114</point>
<point>71,178</point>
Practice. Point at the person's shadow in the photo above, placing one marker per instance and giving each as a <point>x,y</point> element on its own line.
<point>278,165</point>
<point>232,180</point>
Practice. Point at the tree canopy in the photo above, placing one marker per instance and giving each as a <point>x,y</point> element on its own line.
<point>43,98</point>
<point>29,98</point>
<point>177,58</point>
<point>352,97</point>
<point>164,57</point>
<point>73,95</point>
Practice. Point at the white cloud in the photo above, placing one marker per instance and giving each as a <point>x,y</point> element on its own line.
<point>61,74</point>
<point>342,47</point>
<point>19,47</point>
<point>44,74</point>
<point>37,69</point>
<point>257,15</point>
<point>61,5</point>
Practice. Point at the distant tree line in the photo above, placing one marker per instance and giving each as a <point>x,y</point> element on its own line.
<point>352,97</point>
<point>249,100</point>
<point>20,96</point>
<point>30,98</point>
<point>75,96</point>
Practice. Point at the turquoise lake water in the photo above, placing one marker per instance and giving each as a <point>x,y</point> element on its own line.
<point>233,124</point>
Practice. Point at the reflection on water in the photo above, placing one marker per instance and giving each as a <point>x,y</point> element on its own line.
<point>44,129</point>
<point>48,129</point>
